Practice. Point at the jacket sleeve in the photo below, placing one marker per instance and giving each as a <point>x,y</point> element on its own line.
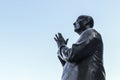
<point>60,58</point>
<point>62,61</point>
<point>79,50</point>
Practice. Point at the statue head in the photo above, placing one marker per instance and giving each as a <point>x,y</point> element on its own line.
<point>82,23</point>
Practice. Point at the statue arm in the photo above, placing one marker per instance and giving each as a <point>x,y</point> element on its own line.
<point>82,50</point>
<point>79,50</point>
<point>60,58</point>
<point>62,61</point>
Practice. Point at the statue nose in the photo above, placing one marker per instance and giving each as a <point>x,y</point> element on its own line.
<point>74,23</point>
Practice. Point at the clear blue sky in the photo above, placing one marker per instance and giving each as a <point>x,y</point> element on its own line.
<point>27,27</point>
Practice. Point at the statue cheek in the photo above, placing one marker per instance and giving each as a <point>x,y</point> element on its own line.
<point>77,26</point>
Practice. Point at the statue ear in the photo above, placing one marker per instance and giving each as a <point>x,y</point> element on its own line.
<point>86,22</point>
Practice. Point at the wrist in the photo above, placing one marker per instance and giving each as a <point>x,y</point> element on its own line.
<point>61,47</point>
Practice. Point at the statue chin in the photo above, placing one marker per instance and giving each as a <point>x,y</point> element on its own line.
<point>78,31</point>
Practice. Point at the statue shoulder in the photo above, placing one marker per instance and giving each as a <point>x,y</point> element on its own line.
<point>94,33</point>
<point>91,33</point>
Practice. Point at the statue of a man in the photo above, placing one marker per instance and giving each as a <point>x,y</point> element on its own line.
<point>84,60</point>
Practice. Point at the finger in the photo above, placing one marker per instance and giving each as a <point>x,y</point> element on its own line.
<point>56,36</point>
<point>60,36</point>
<point>66,41</point>
<point>55,39</point>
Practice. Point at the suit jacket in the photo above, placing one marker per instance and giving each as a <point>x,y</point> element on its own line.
<point>84,61</point>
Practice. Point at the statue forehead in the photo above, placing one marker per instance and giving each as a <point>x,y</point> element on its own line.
<point>81,18</point>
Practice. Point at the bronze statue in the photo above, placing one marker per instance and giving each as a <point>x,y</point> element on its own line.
<point>84,60</point>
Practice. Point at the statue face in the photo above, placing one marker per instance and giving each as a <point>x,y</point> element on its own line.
<point>76,25</point>
<point>79,25</point>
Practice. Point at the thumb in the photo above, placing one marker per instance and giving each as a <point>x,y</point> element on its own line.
<point>66,41</point>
